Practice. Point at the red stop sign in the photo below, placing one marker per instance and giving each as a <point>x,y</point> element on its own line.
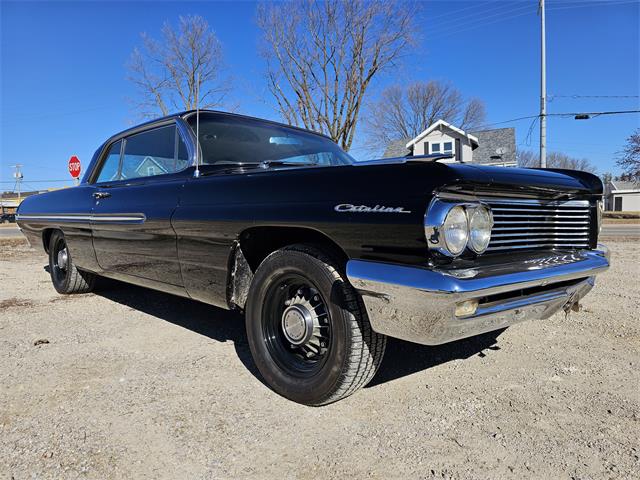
<point>74,166</point>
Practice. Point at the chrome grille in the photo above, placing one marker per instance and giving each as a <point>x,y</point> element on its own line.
<point>525,223</point>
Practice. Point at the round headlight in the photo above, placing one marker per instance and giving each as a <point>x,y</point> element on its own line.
<point>456,230</point>
<point>480,224</point>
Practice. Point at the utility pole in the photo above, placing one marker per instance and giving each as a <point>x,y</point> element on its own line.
<point>18,176</point>
<point>543,89</point>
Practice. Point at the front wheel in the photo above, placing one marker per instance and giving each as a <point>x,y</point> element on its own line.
<point>308,330</point>
<point>66,278</point>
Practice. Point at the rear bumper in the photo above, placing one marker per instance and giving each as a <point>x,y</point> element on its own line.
<point>419,304</point>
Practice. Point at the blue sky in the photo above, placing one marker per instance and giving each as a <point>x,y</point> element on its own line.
<point>64,88</point>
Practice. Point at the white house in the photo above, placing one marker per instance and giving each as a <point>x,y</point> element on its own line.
<point>488,147</point>
<point>622,196</point>
<point>442,137</point>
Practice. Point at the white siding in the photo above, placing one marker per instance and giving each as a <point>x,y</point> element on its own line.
<point>630,201</point>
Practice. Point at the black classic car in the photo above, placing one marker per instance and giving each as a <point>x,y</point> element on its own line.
<point>325,256</point>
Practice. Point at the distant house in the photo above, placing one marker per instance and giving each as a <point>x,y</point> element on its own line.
<point>622,196</point>
<point>487,147</point>
<point>150,167</point>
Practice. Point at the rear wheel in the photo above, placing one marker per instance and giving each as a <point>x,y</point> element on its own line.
<point>66,278</point>
<point>307,329</point>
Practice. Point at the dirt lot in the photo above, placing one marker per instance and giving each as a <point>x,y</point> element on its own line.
<point>129,383</point>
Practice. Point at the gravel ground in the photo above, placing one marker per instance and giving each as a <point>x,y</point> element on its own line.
<point>129,383</point>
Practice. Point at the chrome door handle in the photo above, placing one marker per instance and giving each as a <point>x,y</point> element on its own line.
<point>99,195</point>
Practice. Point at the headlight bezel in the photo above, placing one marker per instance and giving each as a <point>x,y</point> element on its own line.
<point>435,221</point>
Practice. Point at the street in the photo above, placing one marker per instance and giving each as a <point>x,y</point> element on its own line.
<point>8,231</point>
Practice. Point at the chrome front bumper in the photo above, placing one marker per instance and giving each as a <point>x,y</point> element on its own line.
<point>418,304</point>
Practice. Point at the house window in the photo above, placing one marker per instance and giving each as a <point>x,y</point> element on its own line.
<point>151,171</point>
<point>447,147</point>
<point>435,148</point>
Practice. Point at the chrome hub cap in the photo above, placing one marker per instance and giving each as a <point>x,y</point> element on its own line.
<point>297,324</point>
<point>63,258</point>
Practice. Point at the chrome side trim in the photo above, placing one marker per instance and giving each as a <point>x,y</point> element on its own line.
<point>100,218</point>
<point>54,218</point>
<point>418,304</point>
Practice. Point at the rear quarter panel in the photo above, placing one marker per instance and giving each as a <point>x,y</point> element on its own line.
<point>67,210</point>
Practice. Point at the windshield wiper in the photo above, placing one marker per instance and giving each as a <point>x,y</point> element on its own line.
<point>284,163</point>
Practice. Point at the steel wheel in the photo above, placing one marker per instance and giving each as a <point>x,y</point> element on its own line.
<point>66,278</point>
<point>307,330</point>
<point>60,260</point>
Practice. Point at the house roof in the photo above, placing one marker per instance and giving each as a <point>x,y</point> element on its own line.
<point>496,146</point>
<point>438,125</point>
<point>624,185</point>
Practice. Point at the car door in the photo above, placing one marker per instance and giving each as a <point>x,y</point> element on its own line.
<point>131,221</point>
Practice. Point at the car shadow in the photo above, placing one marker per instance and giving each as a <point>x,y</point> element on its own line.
<point>405,358</point>
<point>212,322</point>
<point>401,358</point>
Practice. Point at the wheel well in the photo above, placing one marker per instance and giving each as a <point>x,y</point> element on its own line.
<point>256,243</point>
<point>46,237</point>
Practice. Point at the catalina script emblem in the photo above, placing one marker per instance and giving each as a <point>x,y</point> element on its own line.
<point>348,208</point>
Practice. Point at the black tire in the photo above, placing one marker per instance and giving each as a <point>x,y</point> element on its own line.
<point>66,278</point>
<point>353,350</point>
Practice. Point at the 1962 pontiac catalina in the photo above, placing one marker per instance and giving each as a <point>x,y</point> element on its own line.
<point>325,256</point>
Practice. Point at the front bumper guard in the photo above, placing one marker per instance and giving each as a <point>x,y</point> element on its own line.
<point>418,304</point>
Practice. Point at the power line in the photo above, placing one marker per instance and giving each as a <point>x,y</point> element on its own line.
<point>472,17</point>
<point>603,3</point>
<point>567,114</point>
<point>481,20</point>
<point>592,114</point>
<point>551,97</point>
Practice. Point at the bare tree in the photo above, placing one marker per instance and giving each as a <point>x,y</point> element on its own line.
<point>402,113</point>
<point>629,158</point>
<point>529,159</point>
<point>170,71</point>
<point>323,54</point>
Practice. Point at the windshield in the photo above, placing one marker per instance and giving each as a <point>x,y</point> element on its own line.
<point>229,140</point>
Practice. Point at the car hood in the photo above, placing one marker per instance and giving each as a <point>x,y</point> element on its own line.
<point>474,176</point>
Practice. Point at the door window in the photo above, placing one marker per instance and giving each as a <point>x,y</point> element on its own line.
<point>111,164</point>
<point>149,153</point>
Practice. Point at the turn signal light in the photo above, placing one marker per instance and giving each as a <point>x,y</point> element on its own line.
<point>466,308</point>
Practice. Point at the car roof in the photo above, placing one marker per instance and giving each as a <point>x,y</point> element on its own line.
<point>188,113</point>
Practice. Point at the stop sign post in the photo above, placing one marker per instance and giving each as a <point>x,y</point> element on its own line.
<point>74,167</point>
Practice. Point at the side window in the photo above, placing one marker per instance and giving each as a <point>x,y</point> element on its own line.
<point>149,153</point>
<point>109,171</point>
